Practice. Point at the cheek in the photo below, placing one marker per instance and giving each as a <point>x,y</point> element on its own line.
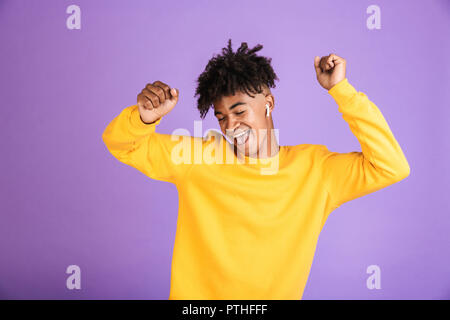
<point>256,122</point>
<point>252,119</point>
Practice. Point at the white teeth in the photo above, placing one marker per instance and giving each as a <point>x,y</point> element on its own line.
<point>240,134</point>
<point>242,137</point>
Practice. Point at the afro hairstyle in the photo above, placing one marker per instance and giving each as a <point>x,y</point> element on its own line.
<point>229,72</point>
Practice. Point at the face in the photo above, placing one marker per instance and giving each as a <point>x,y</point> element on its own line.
<point>243,120</point>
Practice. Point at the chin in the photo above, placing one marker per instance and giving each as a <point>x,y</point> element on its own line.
<point>248,150</point>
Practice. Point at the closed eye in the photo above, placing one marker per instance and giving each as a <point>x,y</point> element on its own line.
<point>238,113</point>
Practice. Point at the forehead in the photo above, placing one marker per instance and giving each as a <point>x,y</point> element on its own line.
<point>226,101</point>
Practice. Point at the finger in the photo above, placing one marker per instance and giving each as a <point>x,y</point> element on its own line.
<point>336,59</point>
<point>148,105</point>
<point>140,100</point>
<point>144,102</point>
<point>331,60</point>
<point>153,99</point>
<point>159,92</point>
<point>330,63</point>
<point>323,64</point>
<point>163,86</point>
<point>174,92</point>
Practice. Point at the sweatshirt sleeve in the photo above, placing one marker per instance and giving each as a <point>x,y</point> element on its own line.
<point>136,144</point>
<point>381,163</point>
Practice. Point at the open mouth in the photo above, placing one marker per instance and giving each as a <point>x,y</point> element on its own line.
<point>242,137</point>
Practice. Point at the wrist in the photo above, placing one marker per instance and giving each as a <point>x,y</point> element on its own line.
<point>147,122</point>
<point>137,122</point>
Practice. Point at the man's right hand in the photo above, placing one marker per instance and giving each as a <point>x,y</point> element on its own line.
<point>156,100</point>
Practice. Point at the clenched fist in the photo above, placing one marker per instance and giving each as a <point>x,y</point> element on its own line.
<point>156,100</point>
<point>329,70</point>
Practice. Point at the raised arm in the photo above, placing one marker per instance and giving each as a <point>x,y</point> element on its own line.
<point>380,163</point>
<point>135,142</point>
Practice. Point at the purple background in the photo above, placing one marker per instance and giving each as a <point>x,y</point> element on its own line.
<point>65,200</point>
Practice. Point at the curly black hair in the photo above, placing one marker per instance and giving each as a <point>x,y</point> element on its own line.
<point>225,74</point>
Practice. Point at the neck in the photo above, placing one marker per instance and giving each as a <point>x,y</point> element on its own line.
<point>271,146</point>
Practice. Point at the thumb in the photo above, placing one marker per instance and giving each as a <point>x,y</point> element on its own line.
<point>175,93</point>
<point>316,64</point>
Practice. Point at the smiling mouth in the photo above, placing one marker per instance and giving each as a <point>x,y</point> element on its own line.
<point>242,137</point>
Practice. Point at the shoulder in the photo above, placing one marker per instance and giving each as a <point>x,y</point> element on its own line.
<point>306,148</point>
<point>305,153</point>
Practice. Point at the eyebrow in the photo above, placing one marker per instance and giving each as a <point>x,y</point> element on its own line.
<point>230,108</point>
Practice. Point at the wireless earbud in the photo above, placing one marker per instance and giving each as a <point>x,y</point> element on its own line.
<point>267,110</point>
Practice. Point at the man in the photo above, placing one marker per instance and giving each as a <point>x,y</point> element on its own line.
<point>243,233</point>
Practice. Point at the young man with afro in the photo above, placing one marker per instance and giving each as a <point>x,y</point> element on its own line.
<point>242,232</point>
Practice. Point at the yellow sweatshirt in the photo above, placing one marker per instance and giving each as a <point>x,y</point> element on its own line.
<point>246,233</point>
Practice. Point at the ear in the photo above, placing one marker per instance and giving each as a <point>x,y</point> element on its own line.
<point>270,100</point>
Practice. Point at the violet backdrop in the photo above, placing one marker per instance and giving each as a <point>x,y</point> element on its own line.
<point>65,200</point>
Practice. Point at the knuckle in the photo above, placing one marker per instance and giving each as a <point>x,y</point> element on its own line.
<point>162,85</point>
<point>155,101</point>
<point>148,104</point>
<point>159,91</point>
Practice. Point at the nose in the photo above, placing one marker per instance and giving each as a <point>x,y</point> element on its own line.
<point>231,125</point>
